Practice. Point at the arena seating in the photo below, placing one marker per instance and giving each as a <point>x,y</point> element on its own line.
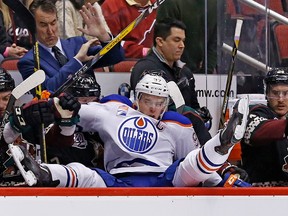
<point>123,66</point>
<point>10,63</point>
<point>280,32</point>
<point>277,32</point>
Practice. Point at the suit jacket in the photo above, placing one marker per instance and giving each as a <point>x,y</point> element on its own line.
<point>56,75</point>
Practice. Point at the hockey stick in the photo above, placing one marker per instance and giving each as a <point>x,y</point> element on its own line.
<point>230,72</point>
<point>107,48</point>
<point>41,147</point>
<point>23,12</point>
<point>25,86</point>
<point>176,96</point>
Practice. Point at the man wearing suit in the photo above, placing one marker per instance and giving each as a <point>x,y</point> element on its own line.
<point>76,50</point>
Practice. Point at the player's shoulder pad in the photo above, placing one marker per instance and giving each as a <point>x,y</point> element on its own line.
<point>258,107</point>
<point>261,108</point>
<point>176,117</point>
<point>116,97</point>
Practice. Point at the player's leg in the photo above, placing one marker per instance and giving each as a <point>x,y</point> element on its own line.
<point>199,164</point>
<point>75,175</point>
<point>71,175</point>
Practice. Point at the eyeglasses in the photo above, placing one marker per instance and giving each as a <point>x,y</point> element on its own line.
<point>273,94</point>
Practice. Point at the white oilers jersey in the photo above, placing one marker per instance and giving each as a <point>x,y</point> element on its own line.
<point>134,142</point>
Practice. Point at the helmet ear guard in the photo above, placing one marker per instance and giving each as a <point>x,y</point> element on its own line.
<point>7,83</point>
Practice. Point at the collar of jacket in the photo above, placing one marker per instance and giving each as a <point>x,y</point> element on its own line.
<point>178,63</point>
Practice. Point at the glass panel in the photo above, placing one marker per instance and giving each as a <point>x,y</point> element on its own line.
<point>262,43</point>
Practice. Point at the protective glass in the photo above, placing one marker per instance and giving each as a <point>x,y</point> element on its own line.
<point>154,103</point>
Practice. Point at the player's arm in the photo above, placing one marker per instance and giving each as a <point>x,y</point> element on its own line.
<point>260,124</point>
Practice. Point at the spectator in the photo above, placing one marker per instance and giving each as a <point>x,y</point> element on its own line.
<point>15,39</point>
<point>69,18</point>
<point>120,13</point>
<point>192,13</point>
<point>17,28</point>
<point>264,146</point>
<point>143,147</point>
<point>72,18</point>
<point>76,50</point>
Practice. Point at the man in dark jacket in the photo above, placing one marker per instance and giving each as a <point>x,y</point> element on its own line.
<point>169,37</point>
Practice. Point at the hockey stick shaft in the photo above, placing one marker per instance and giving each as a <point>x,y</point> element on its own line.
<point>176,96</point>
<point>107,48</point>
<point>25,86</point>
<point>230,72</point>
<point>41,147</point>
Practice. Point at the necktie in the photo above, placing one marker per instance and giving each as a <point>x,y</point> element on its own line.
<point>59,56</point>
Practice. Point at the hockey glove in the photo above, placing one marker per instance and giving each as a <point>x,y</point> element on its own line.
<point>31,115</point>
<point>232,169</point>
<point>231,180</point>
<point>66,108</point>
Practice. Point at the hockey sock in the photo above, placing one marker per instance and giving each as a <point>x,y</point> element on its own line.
<point>75,175</point>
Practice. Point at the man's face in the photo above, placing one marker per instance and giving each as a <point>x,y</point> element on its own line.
<point>152,105</point>
<point>4,98</point>
<point>46,27</point>
<point>278,99</point>
<point>172,48</point>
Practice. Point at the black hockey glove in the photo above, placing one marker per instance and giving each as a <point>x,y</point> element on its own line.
<point>205,114</point>
<point>228,168</point>
<point>31,115</point>
<point>65,108</point>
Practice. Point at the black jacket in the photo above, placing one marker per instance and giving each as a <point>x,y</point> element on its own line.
<point>152,62</point>
<point>3,35</point>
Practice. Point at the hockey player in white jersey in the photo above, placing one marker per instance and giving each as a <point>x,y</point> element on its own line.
<point>144,145</point>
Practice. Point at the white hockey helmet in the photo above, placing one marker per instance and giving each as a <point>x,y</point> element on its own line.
<point>153,85</point>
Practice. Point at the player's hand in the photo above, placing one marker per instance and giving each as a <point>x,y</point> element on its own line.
<point>235,170</point>
<point>31,115</point>
<point>205,114</point>
<point>65,108</point>
<point>231,180</point>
